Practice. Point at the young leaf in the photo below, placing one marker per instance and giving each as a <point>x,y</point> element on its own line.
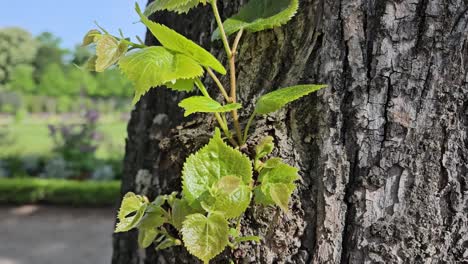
<point>152,220</point>
<point>108,52</point>
<point>281,173</point>
<point>179,6</point>
<point>146,237</point>
<point>202,104</point>
<point>180,210</point>
<point>178,43</point>
<point>231,203</point>
<point>204,169</point>
<point>258,15</point>
<point>275,100</point>
<point>280,194</point>
<point>247,239</point>
<point>90,65</point>
<point>91,37</point>
<point>272,163</point>
<point>131,204</point>
<point>168,242</point>
<point>181,85</point>
<point>277,184</point>
<point>228,183</point>
<point>265,147</point>
<point>155,66</point>
<point>205,237</point>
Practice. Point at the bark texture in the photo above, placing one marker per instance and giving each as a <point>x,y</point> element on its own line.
<point>383,151</point>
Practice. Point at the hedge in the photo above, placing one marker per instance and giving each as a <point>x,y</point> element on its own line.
<point>58,192</point>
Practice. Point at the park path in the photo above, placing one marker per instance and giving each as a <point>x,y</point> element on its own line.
<point>55,235</point>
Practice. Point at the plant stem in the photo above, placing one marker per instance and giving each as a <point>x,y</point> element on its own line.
<point>214,6</point>
<point>246,131</point>
<point>232,65</point>
<point>221,123</point>
<point>232,70</point>
<point>218,83</point>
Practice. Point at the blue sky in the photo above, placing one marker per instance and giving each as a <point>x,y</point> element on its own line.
<point>70,20</point>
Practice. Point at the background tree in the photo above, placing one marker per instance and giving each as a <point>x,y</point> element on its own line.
<point>17,47</point>
<point>382,151</point>
<point>49,52</point>
<point>53,80</point>
<point>22,79</point>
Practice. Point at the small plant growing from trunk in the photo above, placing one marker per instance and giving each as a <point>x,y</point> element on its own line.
<point>217,181</point>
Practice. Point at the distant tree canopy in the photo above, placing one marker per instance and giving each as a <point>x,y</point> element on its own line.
<point>40,66</point>
<point>17,47</point>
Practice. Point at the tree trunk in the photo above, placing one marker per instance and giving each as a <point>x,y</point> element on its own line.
<point>383,151</point>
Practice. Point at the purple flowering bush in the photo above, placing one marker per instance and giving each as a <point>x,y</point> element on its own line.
<point>77,144</point>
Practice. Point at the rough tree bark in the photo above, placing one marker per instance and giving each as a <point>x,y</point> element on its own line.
<point>383,151</point>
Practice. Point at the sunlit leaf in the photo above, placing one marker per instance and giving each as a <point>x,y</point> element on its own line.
<point>131,211</point>
<point>259,15</point>
<point>202,104</point>
<point>275,100</point>
<point>178,43</point>
<point>155,66</point>
<point>203,170</point>
<point>146,237</point>
<point>91,37</point>
<point>178,6</point>
<point>205,237</point>
<point>108,51</point>
<point>181,85</point>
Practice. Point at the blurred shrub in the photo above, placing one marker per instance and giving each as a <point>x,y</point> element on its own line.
<point>57,168</point>
<point>77,143</point>
<point>64,104</point>
<point>60,192</point>
<point>4,172</point>
<point>32,165</point>
<point>10,102</point>
<point>20,115</point>
<point>103,173</point>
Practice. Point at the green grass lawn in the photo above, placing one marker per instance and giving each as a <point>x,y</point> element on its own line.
<point>31,137</point>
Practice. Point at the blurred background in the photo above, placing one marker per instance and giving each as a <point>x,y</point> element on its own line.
<point>62,131</point>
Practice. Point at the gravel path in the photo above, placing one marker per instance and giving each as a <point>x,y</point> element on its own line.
<point>55,235</point>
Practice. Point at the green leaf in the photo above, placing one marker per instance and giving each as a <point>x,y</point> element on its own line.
<point>131,211</point>
<point>275,100</point>
<point>258,15</point>
<point>204,169</point>
<point>168,242</point>
<point>232,204</point>
<point>152,221</point>
<point>265,147</point>
<point>272,163</point>
<point>247,239</point>
<point>281,173</point>
<point>228,183</point>
<point>181,85</point>
<point>146,237</point>
<point>180,210</point>
<point>155,66</point>
<point>91,37</point>
<point>179,6</point>
<point>202,104</point>
<point>108,51</point>
<point>91,64</point>
<point>280,194</point>
<point>178,43</point>
<point>277,184</point>
<point>205,237</point>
